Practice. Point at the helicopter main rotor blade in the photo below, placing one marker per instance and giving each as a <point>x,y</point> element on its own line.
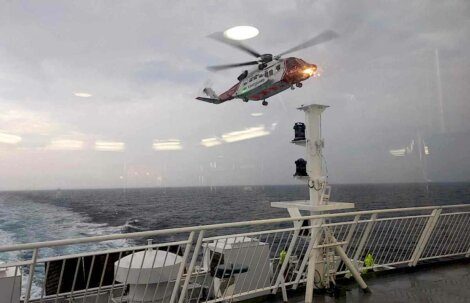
<point>227,66</point>
<point>219,36</point>
<point>321,38</point>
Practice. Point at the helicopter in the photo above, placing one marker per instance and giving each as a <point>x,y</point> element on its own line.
<point>272,75</point>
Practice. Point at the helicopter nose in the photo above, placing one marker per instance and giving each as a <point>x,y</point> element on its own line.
<point>310,70</point>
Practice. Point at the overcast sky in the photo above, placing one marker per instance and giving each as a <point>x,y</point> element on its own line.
<point>143,63</point>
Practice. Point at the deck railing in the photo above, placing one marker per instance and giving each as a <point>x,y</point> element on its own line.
<point>231,261</point>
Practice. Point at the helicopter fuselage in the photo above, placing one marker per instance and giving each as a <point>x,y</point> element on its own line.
<point>276,77</point>
<point>272,75</point>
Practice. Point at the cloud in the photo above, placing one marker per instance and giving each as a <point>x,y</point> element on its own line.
<point>24,122</point>
<point>144,63</point>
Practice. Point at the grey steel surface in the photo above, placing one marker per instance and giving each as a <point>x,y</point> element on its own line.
<point>447,283</point>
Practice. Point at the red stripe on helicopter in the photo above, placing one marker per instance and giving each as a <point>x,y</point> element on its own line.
<point>229,94</point>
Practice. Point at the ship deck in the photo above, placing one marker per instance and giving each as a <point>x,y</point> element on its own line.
<point>396,239</point>
<point>438,282</point>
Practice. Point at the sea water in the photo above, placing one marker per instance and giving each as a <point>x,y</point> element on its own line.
<point>32,216</point>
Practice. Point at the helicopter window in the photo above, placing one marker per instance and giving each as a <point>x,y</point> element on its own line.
<point>278,67</point>
<point>251,79</point>
<point>271,72</point>
<point>266,74</point>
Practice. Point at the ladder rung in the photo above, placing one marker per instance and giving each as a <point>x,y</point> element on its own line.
<point>330,244</point>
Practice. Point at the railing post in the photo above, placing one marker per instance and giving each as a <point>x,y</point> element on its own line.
<point>349,237</point>
<point>364,238</point>
<point>32,267</point>
<point>303,264</point>
<point>316,234</point>
<point>425,235</point>
<point>182,266</point>
<point>351,232</point>
<point>191,266</point>
<point>297,225</point>
<point>347,262</point>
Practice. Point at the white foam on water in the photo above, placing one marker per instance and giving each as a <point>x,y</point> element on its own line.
<point>28,221</point>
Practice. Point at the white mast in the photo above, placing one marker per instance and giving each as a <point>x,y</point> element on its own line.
<point>314,146</point>
<point>318,203</point>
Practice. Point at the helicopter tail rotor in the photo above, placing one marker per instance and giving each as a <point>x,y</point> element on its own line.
<point>210,93</point>
<point>212,96</point>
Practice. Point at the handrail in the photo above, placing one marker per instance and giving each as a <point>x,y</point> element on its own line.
<point>144,234</point>
<point>276,253</point>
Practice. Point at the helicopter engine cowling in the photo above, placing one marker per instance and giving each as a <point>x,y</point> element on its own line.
<point>242,75</point>
<point>266,58</point>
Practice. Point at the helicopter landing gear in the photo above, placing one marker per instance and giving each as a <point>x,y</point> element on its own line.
<point>265,103</point>
<point>292,87</point>
<point>299,85</point>
<point>245,99</point>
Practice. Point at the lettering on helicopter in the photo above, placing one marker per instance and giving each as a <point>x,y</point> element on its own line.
<point>255,84</point>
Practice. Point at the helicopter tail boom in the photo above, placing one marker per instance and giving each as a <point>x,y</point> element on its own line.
<point>210,100</point>
<point>217,99</point>
<point>213,97</point>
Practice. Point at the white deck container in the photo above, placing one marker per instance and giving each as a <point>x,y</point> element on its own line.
<point>10,285</point>
<point>149,274</point>
<point>245,251</point>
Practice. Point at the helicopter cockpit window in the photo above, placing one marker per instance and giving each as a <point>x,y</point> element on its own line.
<point>271,72</point>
